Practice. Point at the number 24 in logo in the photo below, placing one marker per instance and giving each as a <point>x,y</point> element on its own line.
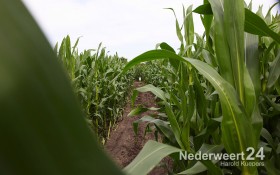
<point>259,154</point>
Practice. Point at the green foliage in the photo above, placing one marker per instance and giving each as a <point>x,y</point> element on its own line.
<point>151,72</point>
<point>92,73</point>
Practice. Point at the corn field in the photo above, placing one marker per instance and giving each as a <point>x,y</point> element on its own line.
<point>217,94</point>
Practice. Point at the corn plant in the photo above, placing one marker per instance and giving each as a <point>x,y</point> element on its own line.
<point>220,100</point>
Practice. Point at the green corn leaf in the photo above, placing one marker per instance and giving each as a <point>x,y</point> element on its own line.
<point>175,100</point>
<point>184,106</point>
<point>200,100</point>
<point>251,107</point>
<point>68,47</point>
<point>61,52</point>
<point>133,97</point>
<point>156,91</point>
<point>137,111</point>
<point>204,9</point>
<point>135,127</point>
<point>207,22</point>
<point>275,106</point>
<point>251,59</point>
<point>75,45</point>
<point>161,125</point>
<point>42,128</point>
<point>178,28</point>
<point>234,29</point>
<point>174,125</point>
<point>149,157</point>
<point>249,94</point>
<point>221,45</point>
<point>274,72</point>
<point>254,24</point>
<point>270,9</point>
<point>267,136</point>
<point>149,56</point>
<point>212,126</point>
<point>165,46</point>
<point>189,27</point>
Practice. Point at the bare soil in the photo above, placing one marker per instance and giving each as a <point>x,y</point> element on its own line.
<point>123,145</point>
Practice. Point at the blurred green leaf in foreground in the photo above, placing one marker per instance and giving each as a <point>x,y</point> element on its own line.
<point>42,129</point>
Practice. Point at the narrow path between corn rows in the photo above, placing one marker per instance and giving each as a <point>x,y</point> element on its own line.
<point>123,145</point>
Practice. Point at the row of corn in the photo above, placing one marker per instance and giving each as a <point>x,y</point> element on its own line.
<point>93,72</point>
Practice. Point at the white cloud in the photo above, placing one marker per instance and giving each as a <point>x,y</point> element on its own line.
<point>123,26</point>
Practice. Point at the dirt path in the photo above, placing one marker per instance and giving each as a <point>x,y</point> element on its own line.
<point>123,146</point>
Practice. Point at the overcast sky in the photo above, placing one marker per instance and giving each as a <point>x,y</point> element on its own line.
<point>129,27</point>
